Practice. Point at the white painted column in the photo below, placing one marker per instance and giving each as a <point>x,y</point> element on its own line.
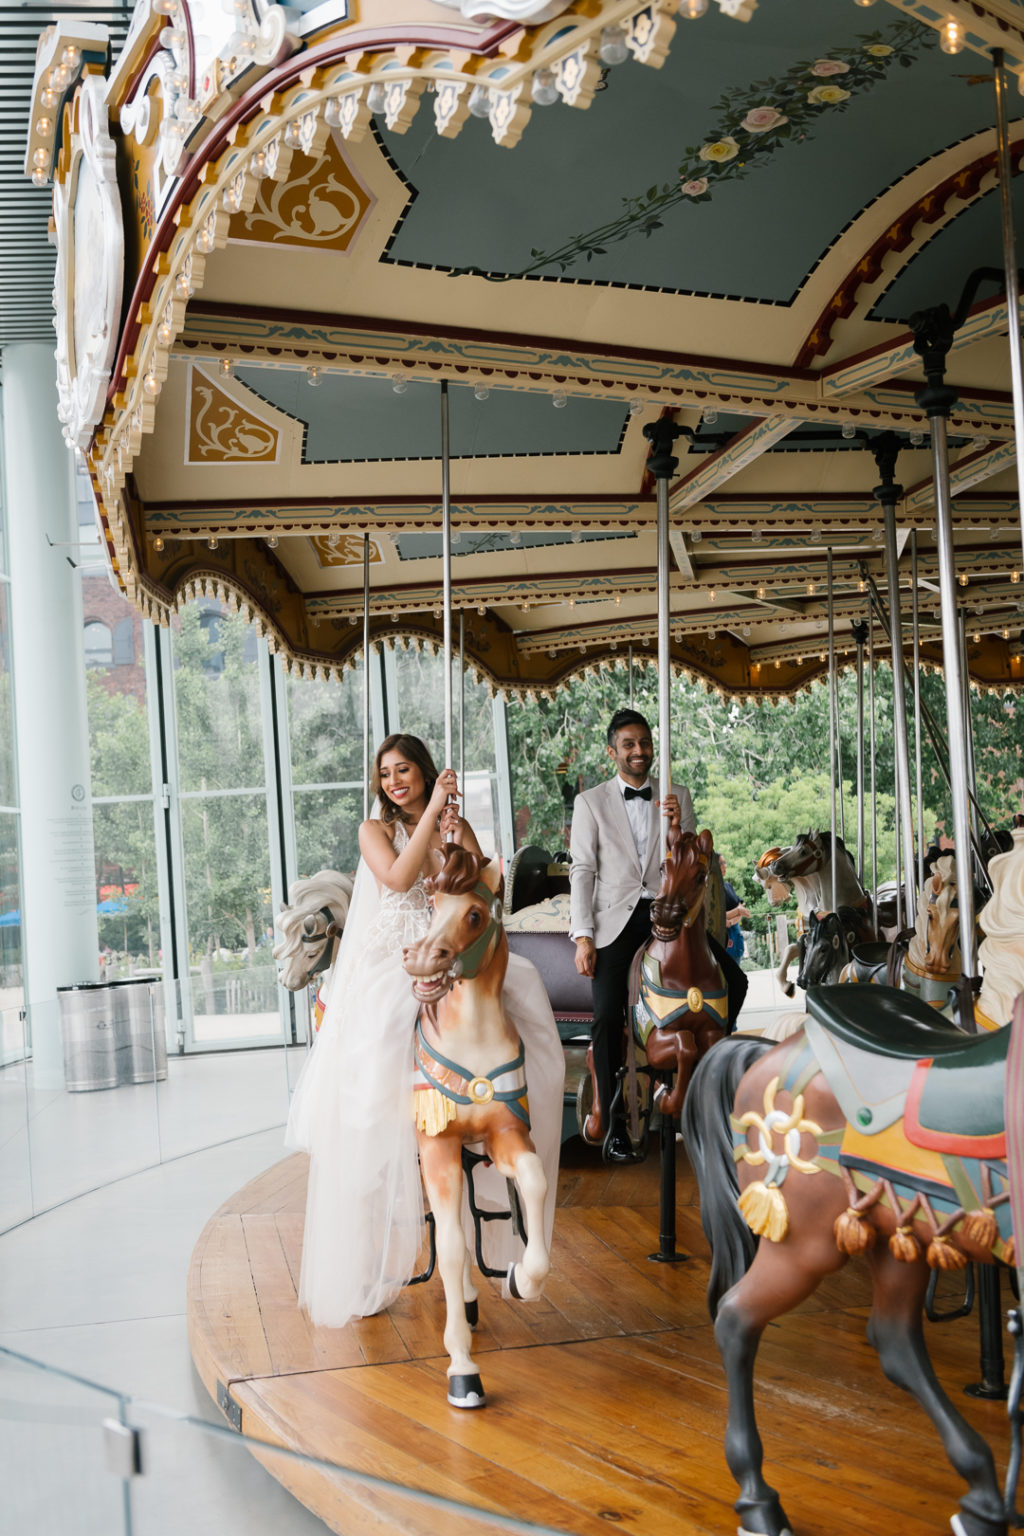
<point>58,878</point>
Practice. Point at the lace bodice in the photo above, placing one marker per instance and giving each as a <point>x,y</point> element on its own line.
<point>404,916</point>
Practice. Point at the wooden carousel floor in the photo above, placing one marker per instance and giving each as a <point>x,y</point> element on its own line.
<point>606,1400</point>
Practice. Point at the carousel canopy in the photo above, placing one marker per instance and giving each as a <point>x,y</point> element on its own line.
<point>279,230</point>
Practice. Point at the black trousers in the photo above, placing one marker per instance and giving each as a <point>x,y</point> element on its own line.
<point>610,987</point>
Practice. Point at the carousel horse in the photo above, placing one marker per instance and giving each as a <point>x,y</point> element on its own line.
<point>310,927</point>
<point>678,1000</point>
<point>1001,952</point>
<point>808,866</point>
<point>470,1088</point>
<point>878,1129</point>
<point>931,964</point>
<point>826,950</point>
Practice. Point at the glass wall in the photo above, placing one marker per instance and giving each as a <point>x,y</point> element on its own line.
<point>12,980</point>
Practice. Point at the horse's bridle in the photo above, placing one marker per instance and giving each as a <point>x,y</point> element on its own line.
<point>470,963</point>
<point>330,932</point>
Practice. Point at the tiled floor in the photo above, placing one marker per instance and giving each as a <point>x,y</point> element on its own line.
<point>97,1287</point>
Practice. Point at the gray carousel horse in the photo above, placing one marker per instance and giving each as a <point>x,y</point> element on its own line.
<point>310,927</point>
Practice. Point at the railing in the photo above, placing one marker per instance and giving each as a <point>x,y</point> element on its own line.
<point>82,1459</point>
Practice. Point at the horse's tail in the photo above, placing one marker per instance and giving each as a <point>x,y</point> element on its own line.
<point>706,1131</point>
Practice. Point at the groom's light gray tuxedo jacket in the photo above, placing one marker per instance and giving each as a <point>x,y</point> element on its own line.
<point>606,875</point>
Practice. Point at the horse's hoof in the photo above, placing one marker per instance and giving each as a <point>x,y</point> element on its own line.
<point>466,1392</point>
<point>472,1312</point>
<point>513,1289</point>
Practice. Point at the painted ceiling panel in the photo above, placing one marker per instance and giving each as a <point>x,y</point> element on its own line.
<point>359,420</point>
<point>784,192</point>
<point>937,272</point>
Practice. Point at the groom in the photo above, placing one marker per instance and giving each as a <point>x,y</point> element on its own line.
<point>617,847</point>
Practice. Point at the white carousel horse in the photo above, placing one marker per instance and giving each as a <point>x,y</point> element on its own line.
<point>807,866</point>
<point>932,962</point>
<point>471,1088</point>
<point>310,926</point>
<point>1002,951</point>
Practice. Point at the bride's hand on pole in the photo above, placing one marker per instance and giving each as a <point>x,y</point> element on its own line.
<point>447,787</point>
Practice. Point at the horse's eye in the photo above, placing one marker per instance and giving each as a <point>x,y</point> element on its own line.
<point>309,925</point>
<point>474,919</point>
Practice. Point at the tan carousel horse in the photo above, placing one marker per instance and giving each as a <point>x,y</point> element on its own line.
<point>471,1089</point>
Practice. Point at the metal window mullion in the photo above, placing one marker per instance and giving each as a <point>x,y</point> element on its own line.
<point>167,813</point>
<point>503,778</point>
<point>274,796</point>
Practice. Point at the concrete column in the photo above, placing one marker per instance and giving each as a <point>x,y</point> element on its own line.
<point>58,878</point>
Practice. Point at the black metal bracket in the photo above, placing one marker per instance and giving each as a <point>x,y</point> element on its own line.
<point>231,1410</point>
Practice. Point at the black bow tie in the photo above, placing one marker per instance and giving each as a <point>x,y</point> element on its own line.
<point>636,794</point>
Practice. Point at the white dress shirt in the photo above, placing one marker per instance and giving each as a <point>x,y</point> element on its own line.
<point>641,816</point>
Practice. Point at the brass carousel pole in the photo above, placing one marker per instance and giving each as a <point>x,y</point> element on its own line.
<point>662,463</point>
<point>631,674</point>
<point>366,676</point>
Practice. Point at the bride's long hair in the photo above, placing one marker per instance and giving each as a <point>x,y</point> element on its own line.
<point>414,751</point>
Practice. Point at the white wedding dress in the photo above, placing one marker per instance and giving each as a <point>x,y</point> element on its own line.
<point>352,1112</point>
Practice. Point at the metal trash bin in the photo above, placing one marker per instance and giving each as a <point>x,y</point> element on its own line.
<point>88,1034</point>
<point>141,1048</point>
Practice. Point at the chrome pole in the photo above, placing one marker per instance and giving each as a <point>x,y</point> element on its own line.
<point>874,779</point>
<point>366,676</point>
<point>832,730</point>
<point>860,634</point>
<point>462,700</point>
<point>972,777</point>
<point>446,562</point>
<point>662,462</point>
<point>1010,264</point>
<point>886,450</point>
<point>631,674</point>
<point>915,614</point>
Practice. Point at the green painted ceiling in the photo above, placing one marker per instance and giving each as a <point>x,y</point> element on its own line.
<point>774,208</point>
<point>351,420</point>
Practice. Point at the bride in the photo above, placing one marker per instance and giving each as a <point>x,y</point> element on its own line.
<point>352,1106</point>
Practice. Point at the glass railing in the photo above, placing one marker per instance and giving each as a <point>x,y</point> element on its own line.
<point>78,1458</point>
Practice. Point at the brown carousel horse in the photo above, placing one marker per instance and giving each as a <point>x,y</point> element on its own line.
<point>878,1129</point>
<point>471,1088</point>
<point>678,999</point>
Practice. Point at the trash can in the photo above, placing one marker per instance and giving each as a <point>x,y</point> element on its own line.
<point>88,1033</point>
<point>141,1043</point>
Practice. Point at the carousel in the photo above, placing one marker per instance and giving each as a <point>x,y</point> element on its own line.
<point>388,320</point>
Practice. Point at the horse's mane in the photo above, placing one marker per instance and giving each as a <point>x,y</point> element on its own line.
<point>826,838</point>
<point>327,888</point>
<point>461,873</point>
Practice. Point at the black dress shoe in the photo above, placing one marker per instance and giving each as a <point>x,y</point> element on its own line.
<point>619,1149</point>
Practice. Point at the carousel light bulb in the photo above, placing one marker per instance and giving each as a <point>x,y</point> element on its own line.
<point>272,541</point>
<point>756,535</point>
<point>41,157</point>
<point>377,97</point>
<point>712,634</point>
<point>59,78</point>
<point>165,7</point>
<point>572,602</point>
<point>864,3</point>
<point>582,650</point>
<point>151,384</point>
<point>746,630</point>
<point>1015,576</point>
<point>635,407</point>
<point>695,535</point>
<point>44,126</point>
<point>39,177</point>
<point>1006,634</point>
<point>313,377</point>
<point>693,10</point>
<point>259,162</point>
<point>212,542</point>
<point>575,536</point>
<point>962,578</point>
<point>848,431</point>
<point>204,240</point>
<point>710,416</point>
<point>559,399</point>
<point>862,585</point>
<point>515,537</point>
<point>481,610</point>
<point>612,48</point>
<point>951,36</point>
<point>821,655</point>
<point>618,599</point>
<point>762,593</point>
<point>49,99</point>
<point>400,386</point>
<point>480,101</point>
<point>544,90</point>
<point>164,333</point>
<point>711,594</point>
<point>799,661</point>
<point>916,439</point>
<point>811,589</point>
<point>778,663</point>
<point>481,392</point>
<point>225,366</point>
<point>158,543</point>
<point>71,56</point>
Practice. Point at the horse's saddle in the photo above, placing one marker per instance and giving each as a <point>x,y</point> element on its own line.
<point>886,1055</point>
